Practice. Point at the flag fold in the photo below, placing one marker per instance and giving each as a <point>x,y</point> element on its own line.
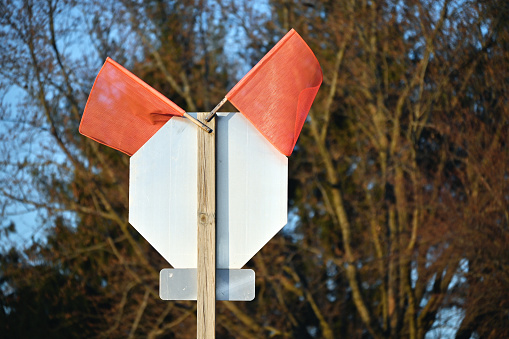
<point>122,111</point>
<point>277,93</point>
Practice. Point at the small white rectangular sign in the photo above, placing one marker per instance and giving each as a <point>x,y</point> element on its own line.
<point>232,285</point>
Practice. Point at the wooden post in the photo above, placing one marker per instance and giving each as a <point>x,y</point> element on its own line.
<point>206,297</point>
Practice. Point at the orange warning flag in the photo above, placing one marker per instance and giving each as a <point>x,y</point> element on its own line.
<point>122,111</point>
<point>277,93</point>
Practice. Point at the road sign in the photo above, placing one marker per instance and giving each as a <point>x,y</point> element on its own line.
<point>231,284</point>
<point>251,197</point>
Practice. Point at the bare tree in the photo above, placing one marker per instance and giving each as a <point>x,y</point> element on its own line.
<point>378,158</point>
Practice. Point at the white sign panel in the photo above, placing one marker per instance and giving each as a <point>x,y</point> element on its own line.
<point>231,284</point>
<point>251,197</point>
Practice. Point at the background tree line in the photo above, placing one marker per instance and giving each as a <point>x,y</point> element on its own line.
<point>399,185</point>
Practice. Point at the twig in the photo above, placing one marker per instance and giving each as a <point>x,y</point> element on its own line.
<point>214,111</point>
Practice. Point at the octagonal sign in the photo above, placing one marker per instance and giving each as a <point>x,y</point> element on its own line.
<point>251,191</point>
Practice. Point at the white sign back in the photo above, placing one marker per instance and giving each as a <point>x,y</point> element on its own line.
<point>251,197</point>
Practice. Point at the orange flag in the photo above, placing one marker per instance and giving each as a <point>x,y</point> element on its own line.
<point>277,93</point>
<point>122,111</point>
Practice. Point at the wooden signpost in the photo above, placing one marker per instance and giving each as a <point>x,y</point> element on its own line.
<point>206,294</point>
<point>183,190</point>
